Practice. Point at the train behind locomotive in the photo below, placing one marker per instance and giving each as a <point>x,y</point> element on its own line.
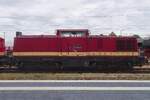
<point>73,47</point>
<point>146,47</point>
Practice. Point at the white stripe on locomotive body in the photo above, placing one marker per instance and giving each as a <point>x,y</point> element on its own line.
<point>76,54</point>
<point>2,53</point>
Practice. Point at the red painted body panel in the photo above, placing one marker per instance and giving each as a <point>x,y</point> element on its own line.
<point>92,44</point>
<point>54,44</point>
<point>40,44</point>
<point>30,44</point>
<point>77,44</point>
<point>108,44</point>
<point>71,44</point>
<point>127,44</point>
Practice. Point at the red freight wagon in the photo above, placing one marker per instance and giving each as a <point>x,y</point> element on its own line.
<point>76,47</point>
<point>2,51</point>
<point>147,53</point>
<point>2,47</point>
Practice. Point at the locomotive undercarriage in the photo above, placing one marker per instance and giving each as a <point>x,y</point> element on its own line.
<point>122,63</point>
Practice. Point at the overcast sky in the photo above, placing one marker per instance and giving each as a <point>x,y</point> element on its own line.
<point>99,16</point>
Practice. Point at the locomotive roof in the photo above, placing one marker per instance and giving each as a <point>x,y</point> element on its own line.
<point>1,38</point>
<point>72,30</point>
<point>53,36</point>
<point>36,36</point>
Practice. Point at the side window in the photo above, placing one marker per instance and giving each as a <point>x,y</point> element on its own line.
<point>72,33</point>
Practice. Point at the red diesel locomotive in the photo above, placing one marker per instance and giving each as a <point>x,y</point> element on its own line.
<point>75,47</point>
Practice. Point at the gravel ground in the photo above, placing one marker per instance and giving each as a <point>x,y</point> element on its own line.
<point>73,76</point>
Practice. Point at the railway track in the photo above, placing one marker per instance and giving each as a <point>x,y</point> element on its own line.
<point>143,69</point>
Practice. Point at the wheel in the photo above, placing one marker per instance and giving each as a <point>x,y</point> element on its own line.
<point>59,65</point>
